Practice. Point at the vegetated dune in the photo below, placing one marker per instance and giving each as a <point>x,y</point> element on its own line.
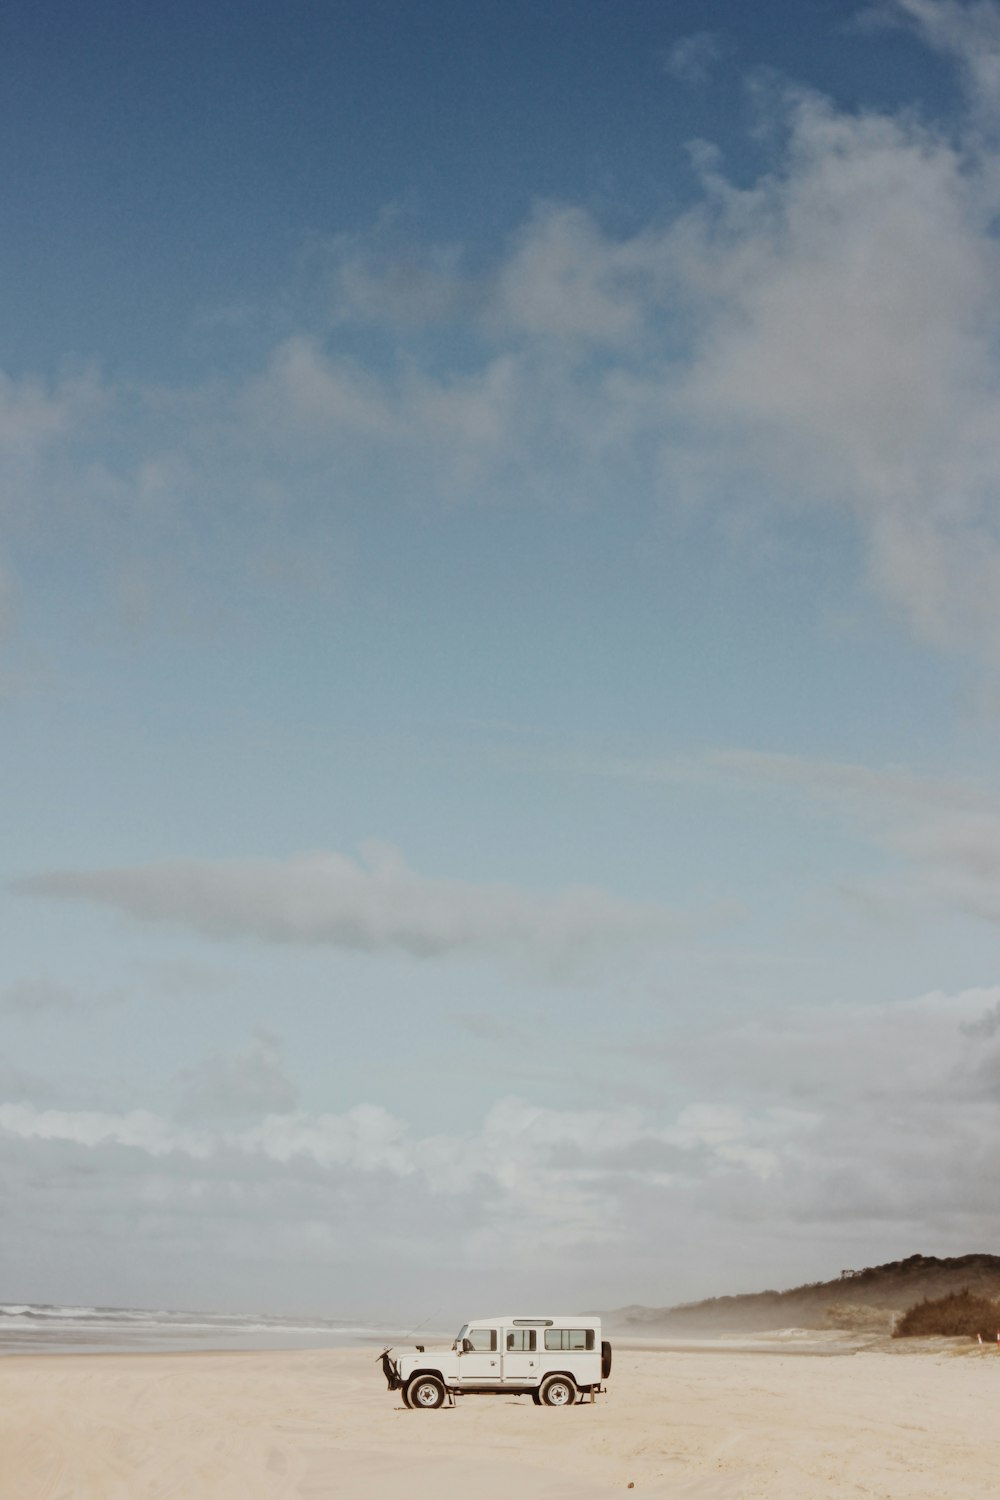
<point>859,1300</point>
<point>955,1315</point>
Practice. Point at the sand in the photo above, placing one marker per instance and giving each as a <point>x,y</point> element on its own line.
<point>315,1424</point>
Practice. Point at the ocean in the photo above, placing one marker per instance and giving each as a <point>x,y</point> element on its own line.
<point>41,1328</point>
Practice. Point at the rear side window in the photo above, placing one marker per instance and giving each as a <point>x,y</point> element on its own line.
<point>484,1339</point>
<point>522,1340</point>
<point>569,1338</point>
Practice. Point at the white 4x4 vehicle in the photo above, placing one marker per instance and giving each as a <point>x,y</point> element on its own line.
<point>556,1360</point>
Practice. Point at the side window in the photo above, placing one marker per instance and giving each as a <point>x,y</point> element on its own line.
<point>483,1339</point>
<point>522,1340</point>
<point>569,1338</point>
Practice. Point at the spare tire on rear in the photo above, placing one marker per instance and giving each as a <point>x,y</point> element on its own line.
<point>605,1360</point>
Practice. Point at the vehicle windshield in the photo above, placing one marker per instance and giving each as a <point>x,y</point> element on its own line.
<point>460,1335</point>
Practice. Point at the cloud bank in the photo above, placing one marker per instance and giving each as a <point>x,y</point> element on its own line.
<point>853,1125</point>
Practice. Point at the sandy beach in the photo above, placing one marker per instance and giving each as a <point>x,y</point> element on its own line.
<point>279,1426</point>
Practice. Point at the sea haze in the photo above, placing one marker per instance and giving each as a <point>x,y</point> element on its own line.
<point>41,1328</point>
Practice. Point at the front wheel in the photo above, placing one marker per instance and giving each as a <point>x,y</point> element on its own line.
<point>557,1390</point>
<point>425,1392</point>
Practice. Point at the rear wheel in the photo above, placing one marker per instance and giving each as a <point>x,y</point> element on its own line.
<point>605,1360</point>
<point>557,1390</point>
<point>424,1392</point>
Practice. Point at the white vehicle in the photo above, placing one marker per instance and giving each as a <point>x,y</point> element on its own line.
<point>556,1360</point>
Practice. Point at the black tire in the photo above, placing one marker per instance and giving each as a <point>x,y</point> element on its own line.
<point>605,1360</point>
<point>536,1397</point>
<point>404,1391</point>
<point>557,1390</point>
<point>425,1393</point>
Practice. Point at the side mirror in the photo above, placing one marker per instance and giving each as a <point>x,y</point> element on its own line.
<point>466,1346</point>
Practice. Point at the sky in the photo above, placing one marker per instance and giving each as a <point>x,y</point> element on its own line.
<point>499,649</point>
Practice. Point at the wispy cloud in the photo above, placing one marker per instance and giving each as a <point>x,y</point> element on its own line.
<point>252,1083</point>
<point>692,58</point>
<point>378,904</point>
<point>946,833</point>
<point>942,833</point>
<point>34,413</point>
<point>36,997</point>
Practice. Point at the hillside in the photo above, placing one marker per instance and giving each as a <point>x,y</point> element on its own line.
<point>855,1299</point>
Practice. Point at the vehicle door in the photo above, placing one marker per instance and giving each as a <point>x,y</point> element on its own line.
<point>480,1365</point>
<point>520,1356</point>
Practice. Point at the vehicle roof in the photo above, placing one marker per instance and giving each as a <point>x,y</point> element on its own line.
<point>580,1320</point>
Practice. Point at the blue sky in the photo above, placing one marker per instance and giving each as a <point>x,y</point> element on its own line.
<point>499,649</point>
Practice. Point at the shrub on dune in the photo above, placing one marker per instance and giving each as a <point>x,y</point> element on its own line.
<point>957,1314</point>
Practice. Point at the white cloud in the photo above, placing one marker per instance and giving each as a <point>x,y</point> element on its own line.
<point>309,394</point>
<point>558,278</point>
<point>986,1025</point>
<point>253,1082</point>
<point>16,1084</point>
<point>139,1129</point>
<point>826,336</point>
<point>33,997</point>
<point>446,429</point>
<point>563,278</point>
<point>387,277</point>
<point>35,414</point>
<point>379,904</point>
<point>692,58</point>
<point>848,354</point>
<point>967,30</point>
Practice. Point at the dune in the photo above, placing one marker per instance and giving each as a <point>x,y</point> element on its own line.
<point>305,1425</point>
